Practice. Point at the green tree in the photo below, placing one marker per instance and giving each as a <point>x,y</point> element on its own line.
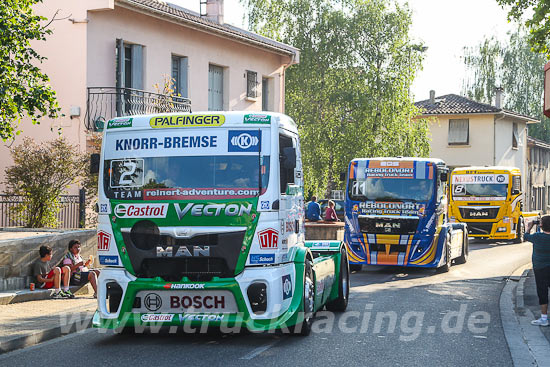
<point>41,173</point>
<point>538,25</point>
<point>24,89</point>
<point>513,66</point>
<point>350,93</point>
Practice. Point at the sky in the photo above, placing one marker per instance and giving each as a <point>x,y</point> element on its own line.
<point>444,26</point>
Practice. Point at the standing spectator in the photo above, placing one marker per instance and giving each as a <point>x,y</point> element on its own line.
<point>541,265</point>
<point>79,269</point>
<point>330,213</point>
<point>49,276</point>
<point>313,212</point>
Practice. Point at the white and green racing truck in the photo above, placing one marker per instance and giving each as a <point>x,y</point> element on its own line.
<point>201,222</point>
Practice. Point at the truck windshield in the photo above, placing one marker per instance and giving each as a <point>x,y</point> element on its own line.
<point>186,177</point>
<point>391,189</point>
<point>499,190</point>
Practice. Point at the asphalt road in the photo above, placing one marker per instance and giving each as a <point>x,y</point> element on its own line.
<point>396,317</point>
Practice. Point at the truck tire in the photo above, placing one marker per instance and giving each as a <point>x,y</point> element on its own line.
<point>308,300</point>
<point>355,267</point>
<point>447,266</point>
<point>341,303</point>
<point>520,231</point>
<point>465,250</point>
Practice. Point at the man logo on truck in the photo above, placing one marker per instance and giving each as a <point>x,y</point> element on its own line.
<point>183,251</point>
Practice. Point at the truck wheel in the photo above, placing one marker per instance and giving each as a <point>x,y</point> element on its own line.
<point>341,303</point>
<point>445,268</point>
<point>308,299</point>
<point>355,267</point>
<point>520,232</point>
<point>465,250</point>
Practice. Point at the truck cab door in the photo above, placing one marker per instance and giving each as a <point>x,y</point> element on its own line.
<point>291,201</point>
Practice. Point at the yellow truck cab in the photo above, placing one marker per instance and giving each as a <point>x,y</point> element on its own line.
<point>490,201</point>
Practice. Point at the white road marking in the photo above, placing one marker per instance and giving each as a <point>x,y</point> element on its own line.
<point>260,350</point>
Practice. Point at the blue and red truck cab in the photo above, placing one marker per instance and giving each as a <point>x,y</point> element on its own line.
<point>396,213</point>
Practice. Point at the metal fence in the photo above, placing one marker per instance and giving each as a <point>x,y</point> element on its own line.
<point>105,103</point>
<point>70,215</point>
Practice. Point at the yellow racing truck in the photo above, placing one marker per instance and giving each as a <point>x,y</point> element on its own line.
<point>490,201</point>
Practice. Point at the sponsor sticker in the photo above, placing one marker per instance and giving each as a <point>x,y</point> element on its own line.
<point>480,179</point>
<point>116,123</point>
<point>103,241</point>
<point>108,260</point>
<point>141,210</point>
<point>321,245</point>
<point>257,118</point>
<point>194,317</point>
<point>269,239</point>
<point>155,317</point>
<point>207,302</point>
<point>104,208</point>
<point>257,259</point>
<point>287,286</point>
<point>198,193</point>
<point>212,210</point>
<point>244,141</point>
<point>159,122</point>
<point>264,205</point>
<point>184,286</point>
<point>152,302</point>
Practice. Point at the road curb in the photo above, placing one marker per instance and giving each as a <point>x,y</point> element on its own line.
<point>527,345</point>
<point>536,341</point>
<point>74,325</point>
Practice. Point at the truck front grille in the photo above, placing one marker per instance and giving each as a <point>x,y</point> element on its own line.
<point>475,228</point>
<point>198,258</point>
<point>479,212</point>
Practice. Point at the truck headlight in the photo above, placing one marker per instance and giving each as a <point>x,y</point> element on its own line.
<point>506,220</point>
<point>501,229</point>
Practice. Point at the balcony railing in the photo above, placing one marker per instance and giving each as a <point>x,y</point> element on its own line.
<point>105,103</point>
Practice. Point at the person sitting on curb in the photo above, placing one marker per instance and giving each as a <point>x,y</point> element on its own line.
<point>541,265</point>
<point>330,213</point>
<point>79,269</point>
<point>313,212</point>
<point>48,276</point>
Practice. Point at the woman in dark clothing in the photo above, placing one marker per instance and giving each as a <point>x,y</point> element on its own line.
<point>541,265</point>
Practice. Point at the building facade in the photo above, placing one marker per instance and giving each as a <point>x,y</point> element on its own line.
<point>538,175</point>
<point>109,58</point>
<point>469,133</point>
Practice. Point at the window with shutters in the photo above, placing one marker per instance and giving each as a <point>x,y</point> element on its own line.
<point>179,76</point>
<point>129,65</point>
<point>215,88</point>
<point>459,132</point>
<point>515,136</point>
<point>251,84</point>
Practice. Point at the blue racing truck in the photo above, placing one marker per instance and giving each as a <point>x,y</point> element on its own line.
<point>396,214</point>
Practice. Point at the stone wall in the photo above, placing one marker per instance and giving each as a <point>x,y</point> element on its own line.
<point>18,255</point>
<point>325,231</point>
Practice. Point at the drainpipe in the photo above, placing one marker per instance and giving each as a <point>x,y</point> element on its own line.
<point>286,66</point>
<point>498,117</point>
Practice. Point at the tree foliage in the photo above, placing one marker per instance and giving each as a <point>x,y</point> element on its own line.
<point>41,173</point>
<point>24,89</point>
<point>512,65</point>
<point>350,93</point>
<point>538,25</point>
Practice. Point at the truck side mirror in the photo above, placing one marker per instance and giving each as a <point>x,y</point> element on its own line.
<point>515,192</point>
<point>443,176</point>
<point>289,157</point>
<point>94,163</point>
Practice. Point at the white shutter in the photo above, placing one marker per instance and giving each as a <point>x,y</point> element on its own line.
<point>215,88</point>
<point>183,78</point>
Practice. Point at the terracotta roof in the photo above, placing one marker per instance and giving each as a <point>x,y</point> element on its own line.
<point>191,18</point>
<point>453,104</point>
